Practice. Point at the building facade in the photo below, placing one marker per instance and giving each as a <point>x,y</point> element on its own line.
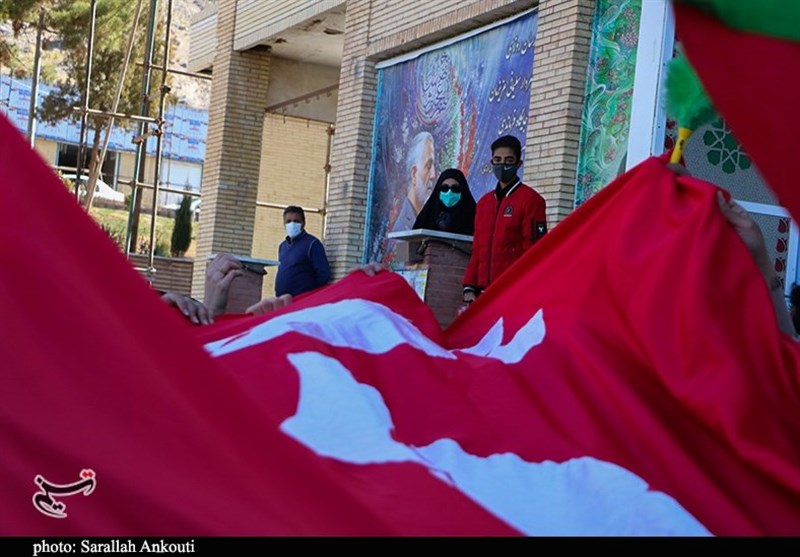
<point>183,149</point>
<point>299,111</point>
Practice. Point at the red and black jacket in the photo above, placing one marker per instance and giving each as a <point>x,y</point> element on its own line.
<point>507,223</point>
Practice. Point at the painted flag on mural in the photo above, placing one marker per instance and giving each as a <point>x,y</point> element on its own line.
<point>611,383</point>
<point>747,56</point>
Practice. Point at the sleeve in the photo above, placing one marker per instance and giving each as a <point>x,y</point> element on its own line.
<point>470,274</point>
<point>319,260</point>
<point>535,226</point>
<point>470,281</point>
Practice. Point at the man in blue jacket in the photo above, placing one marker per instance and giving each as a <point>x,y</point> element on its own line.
<point>303,264</point>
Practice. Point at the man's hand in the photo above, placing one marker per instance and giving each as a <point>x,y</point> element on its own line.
<point>192,309</point>
<point>220,273</point>
<point>678,169</point>
<point>270,304</point>
<point>749,231</point>
<point>370,269</point>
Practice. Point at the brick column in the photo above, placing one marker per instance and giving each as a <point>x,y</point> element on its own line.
<point>233,147</point>
<point>352,147</point>
<point>561,57</point>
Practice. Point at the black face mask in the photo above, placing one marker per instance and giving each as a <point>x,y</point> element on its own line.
<point>505,172</point>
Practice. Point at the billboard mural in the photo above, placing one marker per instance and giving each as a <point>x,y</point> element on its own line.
<point>441,109</point>
<point>606,117</point>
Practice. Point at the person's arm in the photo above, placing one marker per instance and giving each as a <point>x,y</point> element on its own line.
<point>267,305</point>
<point>369,269</point>
<point>535,225</point>
<point>469,283</point>
<point>534,220</point>
<point>220,273</point>
<point>194,310</point>
<point>750,233</point>
<point>470,290</point>
<point>319,261</point>
<point>274,303</point>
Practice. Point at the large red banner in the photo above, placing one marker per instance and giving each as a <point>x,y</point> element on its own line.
<point>626,377</point>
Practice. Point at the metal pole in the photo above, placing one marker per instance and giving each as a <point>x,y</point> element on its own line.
<point>330,130</point>
<point>141,147</point>
<point>115,107</point>
<point>85,112</point>
<point>182,72</point>
<point>37,70</point>
<point>159,137</point>
<point>118,115</point>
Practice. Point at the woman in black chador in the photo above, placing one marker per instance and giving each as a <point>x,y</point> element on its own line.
<point>451,207</point>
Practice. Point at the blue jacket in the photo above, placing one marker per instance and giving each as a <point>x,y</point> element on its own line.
<point>302,265</point>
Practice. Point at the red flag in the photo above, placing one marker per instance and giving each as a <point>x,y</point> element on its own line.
<point>753,81</point>
<point>606,385</point>
<point>662,353</point>
<point>99,375</point>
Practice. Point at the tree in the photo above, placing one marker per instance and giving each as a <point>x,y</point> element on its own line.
<point>114,21</point>
<point>68,22</point>
<point>19,11</point>
<point>182,231</point>
<point>22,14</point>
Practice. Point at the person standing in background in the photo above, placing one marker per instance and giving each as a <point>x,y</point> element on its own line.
<point>302,262</point>
<point>508,220</point>
<point>451,206</point>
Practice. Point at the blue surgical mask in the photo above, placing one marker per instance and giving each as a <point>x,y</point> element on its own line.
<point>449,198</point>
<point>293,229</point>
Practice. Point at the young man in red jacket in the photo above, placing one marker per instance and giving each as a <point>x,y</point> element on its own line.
<point>508,220</point>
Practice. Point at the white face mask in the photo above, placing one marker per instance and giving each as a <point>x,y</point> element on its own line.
<point>293,229</point>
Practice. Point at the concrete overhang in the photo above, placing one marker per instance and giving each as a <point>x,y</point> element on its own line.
<point>203,39</point>
<point>303,31</point>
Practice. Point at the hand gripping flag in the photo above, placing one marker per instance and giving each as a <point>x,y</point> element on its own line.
<point>605,386</point>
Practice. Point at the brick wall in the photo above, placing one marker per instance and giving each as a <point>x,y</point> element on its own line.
<point>444,293</point>
<point>351,155</point>
<point>292,173</point>
<point>233,146</point>
<point>377,31</point>
<point>561,57</point>
<point>407,25</point>
<point>173,274</point>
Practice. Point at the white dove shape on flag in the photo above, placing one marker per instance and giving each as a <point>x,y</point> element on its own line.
<point>376,329</point>
<point>340,418</point>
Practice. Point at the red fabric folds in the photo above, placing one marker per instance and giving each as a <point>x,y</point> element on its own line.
<point>607,384</point>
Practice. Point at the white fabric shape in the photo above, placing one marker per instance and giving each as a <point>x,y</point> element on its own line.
<point>342,419</point>
<point>490,346</point>
<point>376,329</point>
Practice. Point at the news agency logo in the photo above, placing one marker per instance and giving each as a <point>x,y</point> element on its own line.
<point>44,500</point>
